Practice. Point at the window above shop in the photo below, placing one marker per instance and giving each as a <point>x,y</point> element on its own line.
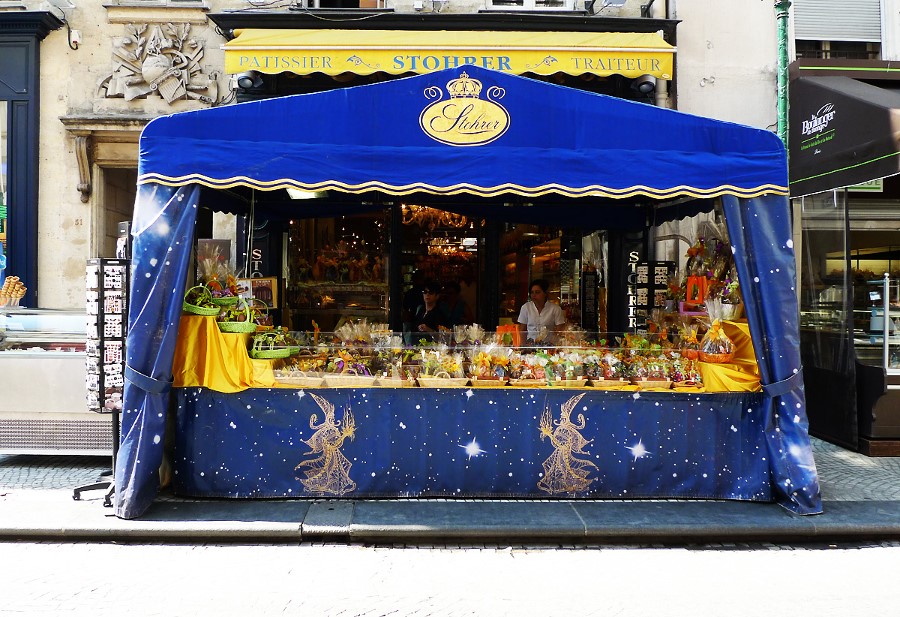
<point>341,4</point>
<point>531,5</point>
<point>850,50</point>
<point>159,3</point>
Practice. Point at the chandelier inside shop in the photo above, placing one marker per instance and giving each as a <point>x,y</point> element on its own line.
<point>431,218</point>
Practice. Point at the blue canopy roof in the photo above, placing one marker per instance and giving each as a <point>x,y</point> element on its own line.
<point>537,138</point>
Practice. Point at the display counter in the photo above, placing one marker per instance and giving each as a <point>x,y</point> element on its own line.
<point>43,409</point>
<point>205,356</point>
<point>242,433</point>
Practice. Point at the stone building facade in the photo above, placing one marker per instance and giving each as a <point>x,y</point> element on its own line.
<point>107,69</point>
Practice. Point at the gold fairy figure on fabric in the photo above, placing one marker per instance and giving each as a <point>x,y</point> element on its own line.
<point>563,471</point>
<point>328,472</point>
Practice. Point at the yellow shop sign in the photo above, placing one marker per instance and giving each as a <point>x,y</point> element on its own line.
<point>465,119</point>
<point>397,52</point>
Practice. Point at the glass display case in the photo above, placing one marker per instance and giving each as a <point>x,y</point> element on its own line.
<point>39,330</point>
<point>43,408</point>
<point>337,269</point>
<point>882,298</point>
<point>327,304</point>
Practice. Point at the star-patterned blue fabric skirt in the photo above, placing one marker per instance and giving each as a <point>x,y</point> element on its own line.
<point>464,442</point>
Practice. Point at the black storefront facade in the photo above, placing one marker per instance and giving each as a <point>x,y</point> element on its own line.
<point>21,33</point>
<point>844,146</point>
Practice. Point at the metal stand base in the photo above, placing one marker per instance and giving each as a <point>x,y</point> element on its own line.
<point>107,499</point>
<point>107,484</point>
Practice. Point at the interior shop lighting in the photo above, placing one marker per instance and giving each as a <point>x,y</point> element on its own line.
<point>432,218</point>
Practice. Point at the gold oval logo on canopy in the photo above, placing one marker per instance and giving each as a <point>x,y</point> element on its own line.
<point>465,119</point>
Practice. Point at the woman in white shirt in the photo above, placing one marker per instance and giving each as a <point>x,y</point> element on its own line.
<point>538,318</point>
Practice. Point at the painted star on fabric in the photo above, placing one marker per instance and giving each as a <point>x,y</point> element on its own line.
<point>472,449</point>
<point>638,450</point>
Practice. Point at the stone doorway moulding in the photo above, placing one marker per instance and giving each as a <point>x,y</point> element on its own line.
<point>106,141</point>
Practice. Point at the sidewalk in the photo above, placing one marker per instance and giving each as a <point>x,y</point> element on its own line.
<point>861,502</point>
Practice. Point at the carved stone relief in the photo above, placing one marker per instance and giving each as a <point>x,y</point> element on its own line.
<point>162,60</point>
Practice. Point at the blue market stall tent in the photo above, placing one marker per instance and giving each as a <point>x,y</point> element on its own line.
<point>482,133</point>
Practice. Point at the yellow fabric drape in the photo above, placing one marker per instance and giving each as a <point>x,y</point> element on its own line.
<point>206,357</point>
<point>742,373</point>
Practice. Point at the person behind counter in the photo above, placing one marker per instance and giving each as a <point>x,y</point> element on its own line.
<point>412,299</point>
<point>429,317</point>
<point>455,308</point>
<point>538,313</point>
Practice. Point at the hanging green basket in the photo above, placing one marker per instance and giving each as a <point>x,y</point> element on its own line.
<point>238,327</point>
<point>224,300</point>
<point>205,296</point>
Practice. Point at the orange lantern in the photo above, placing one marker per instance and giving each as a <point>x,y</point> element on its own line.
<point>695,292</point>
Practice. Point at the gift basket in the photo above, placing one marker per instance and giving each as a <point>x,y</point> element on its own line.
<point>685,373</point>
<point>688,345</point>
<point>716,347</point>
<point>442,369</point>
<point>489,366</point>
<point>651,371</point>
<point>348,367</point>
<point>387,360</point>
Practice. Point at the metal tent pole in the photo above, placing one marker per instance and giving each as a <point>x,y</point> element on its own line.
<point>781,17</point>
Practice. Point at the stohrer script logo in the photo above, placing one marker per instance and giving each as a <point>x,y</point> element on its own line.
<point>818,122</point>
<point>464,119</point>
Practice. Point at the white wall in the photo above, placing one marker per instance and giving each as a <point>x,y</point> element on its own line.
<point>727,60</point>
<point>890,29</point>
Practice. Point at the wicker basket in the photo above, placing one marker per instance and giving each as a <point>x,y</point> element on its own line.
<point>441,380</point>
<point>395,382</point>
<point>487,383</point>
<point>527,383</point>
<point>206,311</point>
<point>238,327</point>
<point>299,379</point>
<point>716,358</point>
<point>651,384</point>
<point>609,383</point>
<point>270,354</point>
<point>569,383</point>
<point>348,380</point>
